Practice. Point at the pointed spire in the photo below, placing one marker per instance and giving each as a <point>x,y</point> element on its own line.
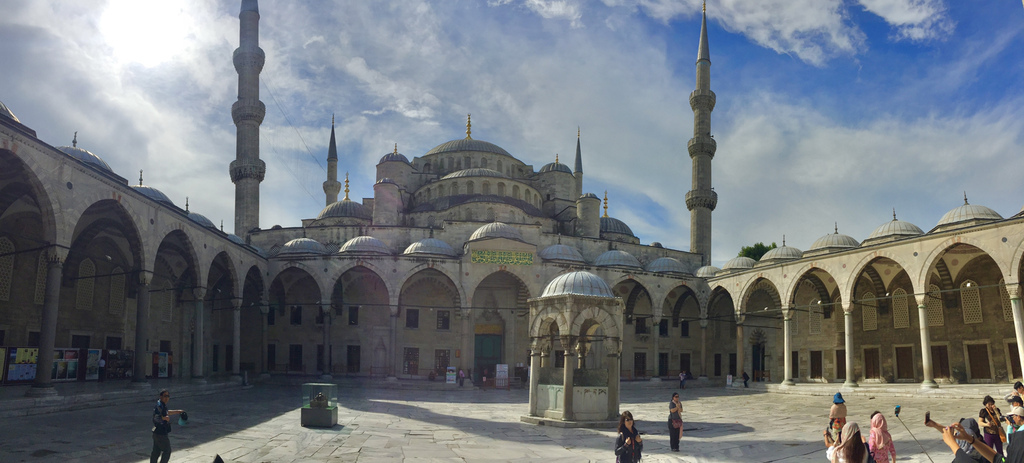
<point>837,228</point>
<point>606,203</point>
<point>186,204</point>
<point>469,127</point>
<point>140,177</point>
<point>965,198</point>
<point>579,154</point>
<point>894,214</point>
<point>783,240</point>
<point>346,183</point>
<point>703,53</point>
<point>332,148</point>
<point>74,141</point>
<point>221,224</point>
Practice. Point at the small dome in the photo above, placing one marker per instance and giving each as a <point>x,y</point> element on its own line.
<point>385,180</point>
<point>578,283</point>
<point>589,196</point>
<point>364,245</point>
<point>834,241</point>
<point>612,225</point>
<point>617,258</point>
<point>562,252</point>
<point>969,212</point>
<point>394,157</point>
<point>346,208</point>
<point>667,265</point>
<point>738,263</point>
<point>656,245</point>
<point>6,112</point>
<point>430,246</point>
<point>86,157</point>
<point>496,230</point>
<point>556,167</point>
<point>707,271</point>
<point>782,253</point>
<point>202,220</point>
<point>302,246</point>
<point>235,239</point>
<point>895,228</point>
<point>467,144</point>
<point>154,194</point>
<point>475,172</point>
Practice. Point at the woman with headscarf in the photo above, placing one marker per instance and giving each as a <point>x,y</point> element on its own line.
<point>849,448</point>
<point>880,441</point>
<point>837,416</point>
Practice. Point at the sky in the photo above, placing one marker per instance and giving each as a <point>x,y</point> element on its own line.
<point>829,112</point>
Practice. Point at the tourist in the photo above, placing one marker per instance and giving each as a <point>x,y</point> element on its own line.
<point>1015,423</point>
<point>880,441</point>
<point>462,377</point>
<point>837,416</point>
<point>988,418</point>
<point>1018,391</point>
<point>682,379</point>
<point>746,378</point>
<point>161,428</point>
<point>848,448</point>
<point>968,439</point>
<point>675,422</point>
<point>629,444</point>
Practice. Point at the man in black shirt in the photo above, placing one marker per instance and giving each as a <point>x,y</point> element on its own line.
<point>161,428</point>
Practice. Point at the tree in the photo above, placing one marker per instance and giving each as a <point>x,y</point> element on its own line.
<point>756,251</point>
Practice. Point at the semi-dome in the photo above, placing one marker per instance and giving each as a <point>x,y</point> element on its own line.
<point>86,157</point>
<point>475,172</point>
<point>667,265</point>
<point>201,220</point>
<point>782,253</point>
<point>431,247</point>
<point>737,263</point>
<point>467,144</point>
<point>578,283</point>
<point>834,241</point>
<point>346,208</point>
<point>154,194</point>
<point>617,258</point>
<point>562,252</point>
<point>707,271</point>
<point>613,225</point>
<point>555,167</point>
<point>497,230</point>
<point>895,228</point>
<point>302,246</point>
<point>968,213</point>
<point>6,112</point>
<point>364,245</point>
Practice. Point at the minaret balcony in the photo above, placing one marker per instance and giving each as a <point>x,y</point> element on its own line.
<point>247,168</point>
<point>248,59</point>
<point>705,198</point>
<point>702,100</point>
<point>248,110</point>
<point>702,144</point>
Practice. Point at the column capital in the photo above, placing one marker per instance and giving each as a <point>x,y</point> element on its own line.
<point>236,303</point>
<point>199,292</point>
<point>1014,290</point>
<point>740,318</point>
<point>703,323</point>
<point>145,277</point>
<point>787,313</point>
<point>56,254</point>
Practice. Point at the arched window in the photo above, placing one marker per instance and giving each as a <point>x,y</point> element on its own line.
<point>467,161</point>
<point>117,279</point>
<point>501,189</point>
<point>426,167</point>
<point>970,302</point>
<point>816,317</point>
<point>515,191</point>
<point>483,162</point>
<point>490,214</point>
<point>469,188</point>
<point>1004,297</point>
<point>486,188</point>
<point>498,163</point>
<point>900,309</point>
<point>469,215</point>
<point>934,304</point>
<point>869,308</point>
<point>455,188</point>
<point>85,284</point>
<point>451,163</point>
<point>6,268</point>
<point>440,165</point>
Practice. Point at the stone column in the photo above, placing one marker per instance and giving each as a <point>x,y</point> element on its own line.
<point>787,356</point>
<point>1018,318</point>
<point>466,358</point>
<point>567,371</point>
<point>614,358</point>
<point>236,338</point>
<point>848,320</point>
<point>738,379</point>
<point>328,315</point>
<point>199,337</point>
<point>42,386</point>
<point>393,360</point>
<point>143,358</point>
<point>535,354</point>
<point>926,343</point>
<point>656,334</point>
<point>703,348</point>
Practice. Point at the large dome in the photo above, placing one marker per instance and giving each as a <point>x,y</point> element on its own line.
<point>86,157</point>
<point>346,208</point>
<point>612,225</point>
<point>667,265</point>
<point>967,213</point>
<point>154,194</point>
<point>475,172</point>
<point>302,246</point>
<point>497,230</point>
<point>562,252</point>
<point>738,263</point>
<point>467,144</point>
<point>617,258</point>
<point>364,245</point>
<point>430,247</point>
<point>578,283</point>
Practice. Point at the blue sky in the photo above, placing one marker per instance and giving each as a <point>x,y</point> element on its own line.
<point>828,110</point>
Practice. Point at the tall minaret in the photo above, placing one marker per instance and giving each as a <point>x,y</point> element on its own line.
<point>701,200</point>
<point>247,170</point>
<point>332,186</point>
<point>578,170</point>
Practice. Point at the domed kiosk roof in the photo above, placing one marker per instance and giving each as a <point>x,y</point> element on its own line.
<point>364,245</point>
<point>739,263</point>
<point>394,156</point>
<point>346,208</point>
<point>302,246</point>
<point>562,252</point>
<point>893,229</point>
<point>782,253</point>
<point>667,265</point>
<point>968,213</point>
<point>154,194</point>
<point>833,241</point>
<point>613,225</point>
<point>707,271</point>
<point>475,172</point>
<point>496,230</point>
<point>617,258</point>
<point>431,247</point>
<point>202,220</point>
<point>85,156</point>
<point>578,283</point>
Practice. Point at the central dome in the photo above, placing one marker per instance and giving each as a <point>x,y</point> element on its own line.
<point>468,144</point>
<point>475,172</point>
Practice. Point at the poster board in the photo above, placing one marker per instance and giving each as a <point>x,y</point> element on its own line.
<point>449,375</point>
<point>120,364</point>
<point>21,364</point>
<point>65,365</point>
<point>92,365</point>
<point>161,364</point>
<point>501,375</point>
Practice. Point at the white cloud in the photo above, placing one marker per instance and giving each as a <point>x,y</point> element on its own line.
<point>916,20</point>
<point>565,10</point>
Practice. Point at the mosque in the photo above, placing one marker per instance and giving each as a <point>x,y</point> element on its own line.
<point>438,269</point>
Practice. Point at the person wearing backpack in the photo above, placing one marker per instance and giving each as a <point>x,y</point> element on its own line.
<point>628,445</point>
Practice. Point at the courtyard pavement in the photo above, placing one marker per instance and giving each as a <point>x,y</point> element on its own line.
<point>421,422</point>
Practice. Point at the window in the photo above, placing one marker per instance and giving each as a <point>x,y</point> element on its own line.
<point>663,328</point>
<point>900,310</point>
<point>411,361</point>
<point>870,312</point>
<point>79,341</point>
<point>444,319</point>
<point>934,305</point>
<point>320,313</point>
<point>1004,297</point>
<point>815,318</point>
<point>970,302</point>
<point>296,314</point>
<point>271,316</point>
<point>559,359</point>
<point>353,315</point>
<point>684,328</point>
<point>113,343</point>
<point>412,318</point>
<point>641,326</point>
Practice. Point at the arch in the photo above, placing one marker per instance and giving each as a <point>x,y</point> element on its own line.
<point>813,275</point>
<point>936,253</point>
<point>545,319</point>
<point>221,287</point>
<point>345,266</point>
<point>760,284</point>
<point>601,317</point>
<point>434,277</point>
<point>178,242</point>
<point>395,289</point>
<point>848,286</point>
<point>20,181</point>
<point>676,301</point>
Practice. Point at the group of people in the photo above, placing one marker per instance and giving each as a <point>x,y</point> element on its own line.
<point>629,444</point>
<point>845,443</point>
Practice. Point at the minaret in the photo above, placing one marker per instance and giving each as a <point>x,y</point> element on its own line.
<point>247,170</point>
<point>701,199</point>
<point>331,186</point>
<point>578,170</point>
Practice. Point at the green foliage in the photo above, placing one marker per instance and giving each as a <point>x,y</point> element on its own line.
<point>756,251</point>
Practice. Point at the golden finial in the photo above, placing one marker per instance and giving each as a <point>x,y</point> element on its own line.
<point>606,203</point>
<point>556,158</point>
<point>704,9</point>
<point>332,119</point>
<point>396,150</point>
<point>346,179</point>
<point>577,131</point>
<point>74,141</point>
<point>140,177</point>
<point>469,127</point>
<point>186,204</point>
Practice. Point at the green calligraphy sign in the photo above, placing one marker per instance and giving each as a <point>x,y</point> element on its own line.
<point>502,257</point>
